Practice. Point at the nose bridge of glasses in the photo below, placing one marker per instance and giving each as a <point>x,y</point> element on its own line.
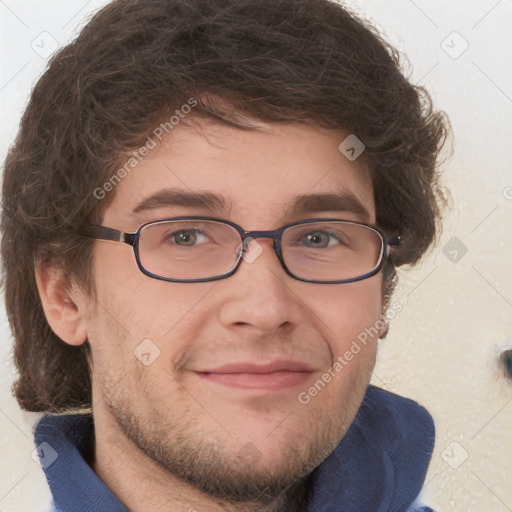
<point>273,235</point>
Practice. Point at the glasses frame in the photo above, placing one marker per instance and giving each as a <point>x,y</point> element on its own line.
<point>132,239</point>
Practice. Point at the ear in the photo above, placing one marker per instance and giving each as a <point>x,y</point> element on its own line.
<point>63,305</point>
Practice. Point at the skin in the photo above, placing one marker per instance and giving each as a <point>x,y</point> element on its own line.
<point>159,426</point>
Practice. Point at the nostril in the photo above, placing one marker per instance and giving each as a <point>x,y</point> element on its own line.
<point>505,364</point>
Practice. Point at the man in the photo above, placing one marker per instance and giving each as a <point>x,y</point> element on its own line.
<point>203,213</point>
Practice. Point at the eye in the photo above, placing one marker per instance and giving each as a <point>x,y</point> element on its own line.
<point>188,237</point>
<point>320,239</point>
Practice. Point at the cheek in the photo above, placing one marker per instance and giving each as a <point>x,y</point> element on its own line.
<point>141,305</point>
<point>351,324</point>
<point>352,320</point>
<point>348,309</point>
<point>134,313</point>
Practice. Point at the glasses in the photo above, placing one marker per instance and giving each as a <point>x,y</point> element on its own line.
<point>198,249</point>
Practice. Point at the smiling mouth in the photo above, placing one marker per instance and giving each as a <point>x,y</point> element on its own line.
<point>272,376</point>
<point>273,381</point>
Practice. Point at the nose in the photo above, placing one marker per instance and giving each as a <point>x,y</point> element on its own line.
<point>260,294</point>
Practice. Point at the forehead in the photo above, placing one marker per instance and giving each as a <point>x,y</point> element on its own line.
<point>271,175</point>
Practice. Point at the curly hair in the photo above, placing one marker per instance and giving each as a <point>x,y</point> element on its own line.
<point>135,62</point>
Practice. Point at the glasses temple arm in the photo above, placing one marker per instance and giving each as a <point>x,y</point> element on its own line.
<point>104,233</point>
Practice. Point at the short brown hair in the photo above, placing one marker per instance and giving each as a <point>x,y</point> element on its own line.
<point>134,64</point>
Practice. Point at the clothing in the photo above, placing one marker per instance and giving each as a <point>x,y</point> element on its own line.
<point>379,465</point>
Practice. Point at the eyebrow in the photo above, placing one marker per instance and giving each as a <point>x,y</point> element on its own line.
<point>177,197</point>
<point>341,201</point>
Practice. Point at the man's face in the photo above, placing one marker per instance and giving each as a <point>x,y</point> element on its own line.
<point>231,434</point>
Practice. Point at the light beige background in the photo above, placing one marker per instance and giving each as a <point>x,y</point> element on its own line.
<point>456,315</point>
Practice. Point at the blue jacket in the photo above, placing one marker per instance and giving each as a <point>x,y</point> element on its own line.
<point>379,466</point>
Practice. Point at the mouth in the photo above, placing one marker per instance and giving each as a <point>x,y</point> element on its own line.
<point>273,376</point>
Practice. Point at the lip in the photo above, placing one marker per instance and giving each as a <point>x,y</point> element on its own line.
<point>274,375</point>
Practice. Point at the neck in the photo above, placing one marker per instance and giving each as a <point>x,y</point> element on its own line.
<point>141,484</point>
